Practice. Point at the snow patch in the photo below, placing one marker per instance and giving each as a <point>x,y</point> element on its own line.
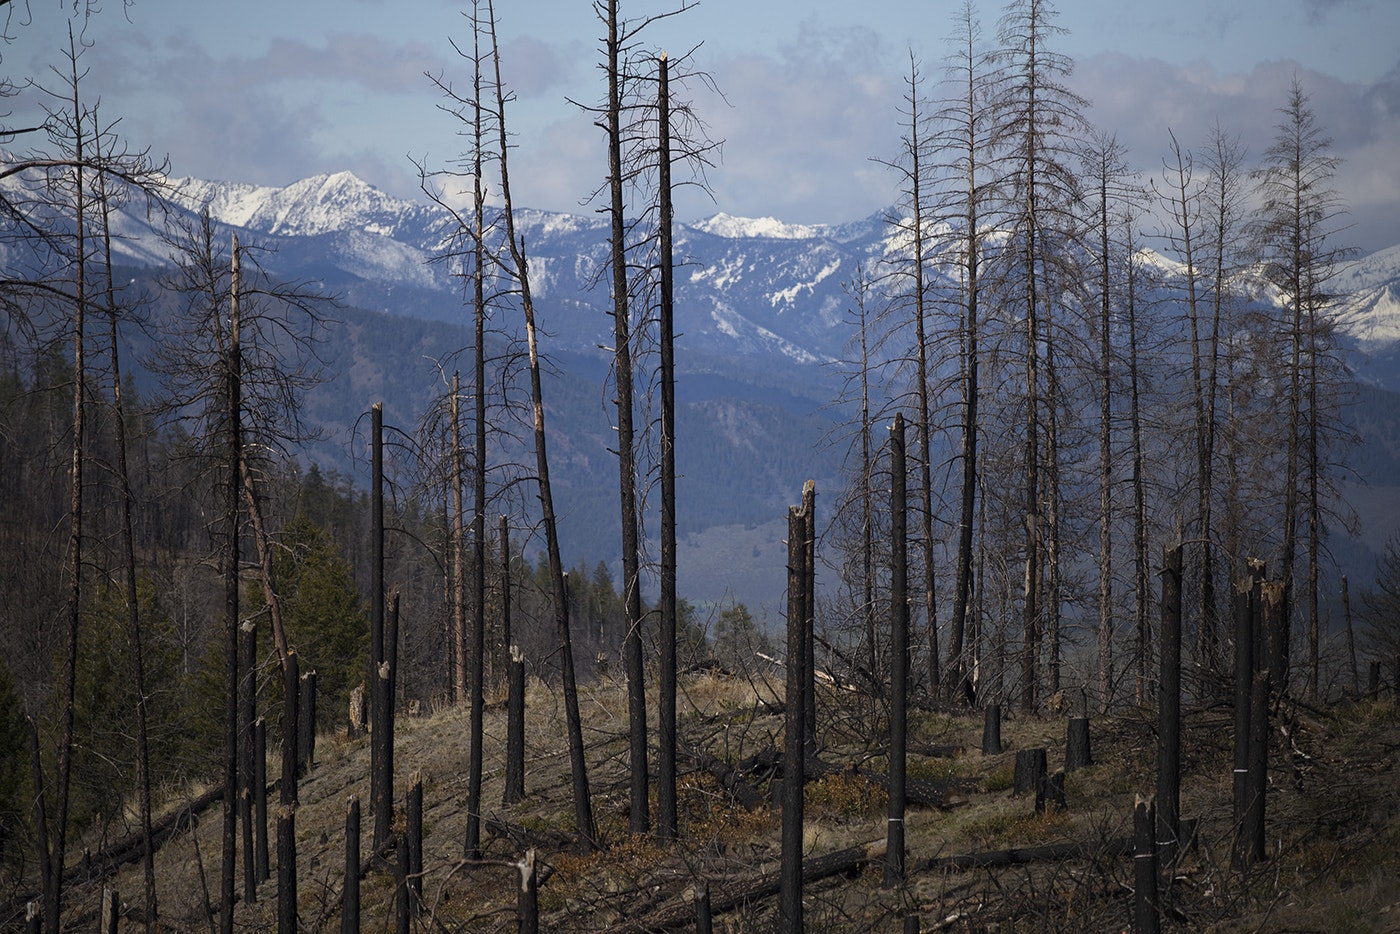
<point>758,228</point>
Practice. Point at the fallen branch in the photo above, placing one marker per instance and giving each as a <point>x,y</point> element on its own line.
<point>680,912</point>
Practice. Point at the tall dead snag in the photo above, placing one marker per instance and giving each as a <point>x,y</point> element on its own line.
<point>964,118</point>
<point>261,859</point>
<point>636,159</point>
<point>457,584</point>
<point>666,817</point>
<point>1252,843</point>
<point>1183,197</point>
<point>583,805</point>
<point>1037,119</point>
<point>1106,174</point>
<point>638,811</point>
<point>388,683</point>
<point>899,653</point>
<point>1169,708</point>
<point>1142,589</point>
<point>76,117</point>
<point>287,809</point>
<point>1299,220</point>
<point>128,539</point>
<point>476,682</point>
<point>515,691</point>
<point>790,891</point>
<point>1246,626</point>
<point>233,492</point>
<point>247,704</point>
<point>382,821</point>
<point>809,613</point>
<point>916,300</point>
<point>518,270</point>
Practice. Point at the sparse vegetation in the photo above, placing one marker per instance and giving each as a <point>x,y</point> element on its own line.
<point>1333,829</point>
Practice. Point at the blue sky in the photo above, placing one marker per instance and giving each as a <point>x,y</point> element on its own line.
<point>269,92</point>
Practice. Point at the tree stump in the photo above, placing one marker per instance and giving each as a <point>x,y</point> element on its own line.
<point>528,907</point>
<point>1054,794</point>
<point>1145,915</point>
<point>357,727</point>
<point>991,730</point>
<point>515,730</point>
<point>1030,775</point>
<point>1077,754</point>
<point>306,724</point>
<point>704,924</point>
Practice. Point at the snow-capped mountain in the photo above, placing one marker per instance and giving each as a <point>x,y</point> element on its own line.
<point>746,286</point>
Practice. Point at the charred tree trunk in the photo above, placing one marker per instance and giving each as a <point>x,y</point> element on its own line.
<point>899,654</point>
<point>413,833</point>
<point>1030,775</point>
<point>233,491</point>
<point>248,712</point>
<point>583,805</point>
<point>457,573</point>
<point>991,730</point>
<point>583,808</point>
<point>287,810</point>
<point>790,896</point>
<point>350,894</point>
<point>1252,844</point>
<point>376,617</point>
<point>809,613</point>
<point>1246,624</point>
<point>515,731</point>
<point>666,818</point>
<point>1146,917</point>
<point>528,908</point>
<point>1169,708</point>
<point>1077,751</point>
<point>261,859</point>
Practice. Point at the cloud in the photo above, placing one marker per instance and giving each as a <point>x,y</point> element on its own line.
<point>1139,99</point>
<point>1317,10</point>
<point>531,67</point>
<point>800,128</point>
<point>362,61</point>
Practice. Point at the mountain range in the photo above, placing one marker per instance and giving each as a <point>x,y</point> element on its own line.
<point>763,316</point>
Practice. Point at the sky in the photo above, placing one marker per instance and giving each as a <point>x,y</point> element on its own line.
<point>271,92</point>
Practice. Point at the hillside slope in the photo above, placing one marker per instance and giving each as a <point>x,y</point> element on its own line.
<point>1333,825</point>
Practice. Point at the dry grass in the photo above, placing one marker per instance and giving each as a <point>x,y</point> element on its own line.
<point>1333,834</point>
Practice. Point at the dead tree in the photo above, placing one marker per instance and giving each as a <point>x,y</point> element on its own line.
<point>1168,802</point>
<point>899,653</point>
<point>518,270</point>
<point>790,898</point>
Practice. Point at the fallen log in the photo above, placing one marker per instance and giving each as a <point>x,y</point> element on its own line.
<point>729,778</point>
<point>129,849</point>
<point>680,911</point>
<point>1031,854</point>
